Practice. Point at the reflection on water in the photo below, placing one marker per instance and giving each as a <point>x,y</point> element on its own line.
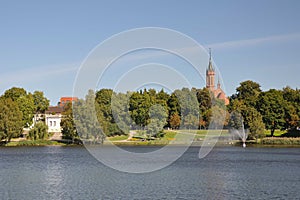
<point>226,173</point>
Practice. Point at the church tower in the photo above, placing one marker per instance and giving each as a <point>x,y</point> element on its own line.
<point>210,75</point>
<point>210,83</point>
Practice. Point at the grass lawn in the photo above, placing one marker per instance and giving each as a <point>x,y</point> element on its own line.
<point>118,137</point>
<point>34,143</point>
<point>277,133</point>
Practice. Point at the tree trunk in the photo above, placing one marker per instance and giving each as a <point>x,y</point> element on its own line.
<point>272,132</point>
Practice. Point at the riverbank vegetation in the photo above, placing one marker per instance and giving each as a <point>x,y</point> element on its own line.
<point>150,113</point>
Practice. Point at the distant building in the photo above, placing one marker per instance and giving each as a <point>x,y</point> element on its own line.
<point>210,83</point>
<point>53,118</point>
<point>64,100</point>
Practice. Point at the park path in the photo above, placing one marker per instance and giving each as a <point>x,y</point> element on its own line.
<point>56,136</point>
<point>130,135</point>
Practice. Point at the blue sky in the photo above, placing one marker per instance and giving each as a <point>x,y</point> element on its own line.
<point>43,43</point>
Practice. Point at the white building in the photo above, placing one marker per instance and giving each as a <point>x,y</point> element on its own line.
<point>53,118</point>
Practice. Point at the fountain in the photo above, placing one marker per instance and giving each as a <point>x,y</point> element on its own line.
<point>237,128</point>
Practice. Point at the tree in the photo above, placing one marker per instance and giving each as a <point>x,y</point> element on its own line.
<point>14,93</point>
<point>67,123</point>
<point>85,118</point>
<point>39,131</point>
<point>11,123</point>
<point>248,92</point>
<point>293,107</point>
<point>174,121</point>
<point>271,105</point>
<point>24,102</point>
<point>255,123</point>
<point>27,107</point>
<point>121,115</point>
<point>158,118</point>
<point>40,101</point>
<point>189,107</point>
<point>139,105</point>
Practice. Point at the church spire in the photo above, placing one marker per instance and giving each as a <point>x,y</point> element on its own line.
<point>210,66</point>
<point>210,75</point>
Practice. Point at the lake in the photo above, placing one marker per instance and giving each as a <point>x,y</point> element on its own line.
<point>226,173</point>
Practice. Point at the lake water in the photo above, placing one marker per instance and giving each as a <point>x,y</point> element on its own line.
<point>226,173</point>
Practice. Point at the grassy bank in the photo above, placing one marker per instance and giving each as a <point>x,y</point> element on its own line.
<point>280,141</point>
<point>34,143</point>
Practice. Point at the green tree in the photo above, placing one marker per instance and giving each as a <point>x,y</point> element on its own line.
<point>11,123</point>
<point>67,123</point>
<point>139,105</point>
<point>293,107</point>
<point>27,107</point>
<point>248,92</point>
<point>85,118</point>
<point>158,118</point>
<point>40,101</point>
<point>189,107</point>
<point>24,102</point>
<point>255,123</point>
<point>121,115</point>
<point>14,93</point>
<point>271,105</point>
<point>39,131</point>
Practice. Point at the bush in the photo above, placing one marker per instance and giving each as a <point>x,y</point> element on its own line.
<point>39,132</point>
<point>281,141</point>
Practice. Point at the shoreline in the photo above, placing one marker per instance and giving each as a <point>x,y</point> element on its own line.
<point>250,144</point>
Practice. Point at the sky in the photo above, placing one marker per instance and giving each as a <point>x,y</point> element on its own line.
<point>44,43</point>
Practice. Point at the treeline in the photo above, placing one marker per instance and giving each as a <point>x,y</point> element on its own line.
<point>147,110</point>
<point>17,108</point>
<point>107,113</point>
<point>272,109</point>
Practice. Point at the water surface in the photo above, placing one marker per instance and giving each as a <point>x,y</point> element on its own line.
<point>226,173</point>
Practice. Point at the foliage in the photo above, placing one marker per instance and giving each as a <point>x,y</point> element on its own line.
<point>158,118</point>
<point>85,119</point>
<point>39,131</point>
<point>14,93</point>
<point>248,92</point>
<point>67,123</point>
<point>174,121</point>
<point>272,105</point>
<point>40,101</point>
<point>11,123</point>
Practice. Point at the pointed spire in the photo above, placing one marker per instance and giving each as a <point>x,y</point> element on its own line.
<point>210,66</point>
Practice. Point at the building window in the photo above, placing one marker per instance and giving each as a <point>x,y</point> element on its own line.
<point>50,123</point>
<point>54,123</point>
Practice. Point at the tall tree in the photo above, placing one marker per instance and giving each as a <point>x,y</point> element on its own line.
<point>27,107</point>
<point>14,93</point>
<point>248,92</point>
<point>189,107</point>
<point>11,123</point>
<point>85,118</point>
<point>67,123</point>
<point>158,118</point>
<point>271,105</point>
<point>40,101</point>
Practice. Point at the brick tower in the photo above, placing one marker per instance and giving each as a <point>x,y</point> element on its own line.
<point>210,75</point>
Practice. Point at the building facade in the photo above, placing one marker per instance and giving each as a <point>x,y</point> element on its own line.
<point>210,83</point>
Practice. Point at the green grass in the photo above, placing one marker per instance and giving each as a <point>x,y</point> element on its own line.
<point>35,143</point>
<point>117,138</point>
<point>277,133</point>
